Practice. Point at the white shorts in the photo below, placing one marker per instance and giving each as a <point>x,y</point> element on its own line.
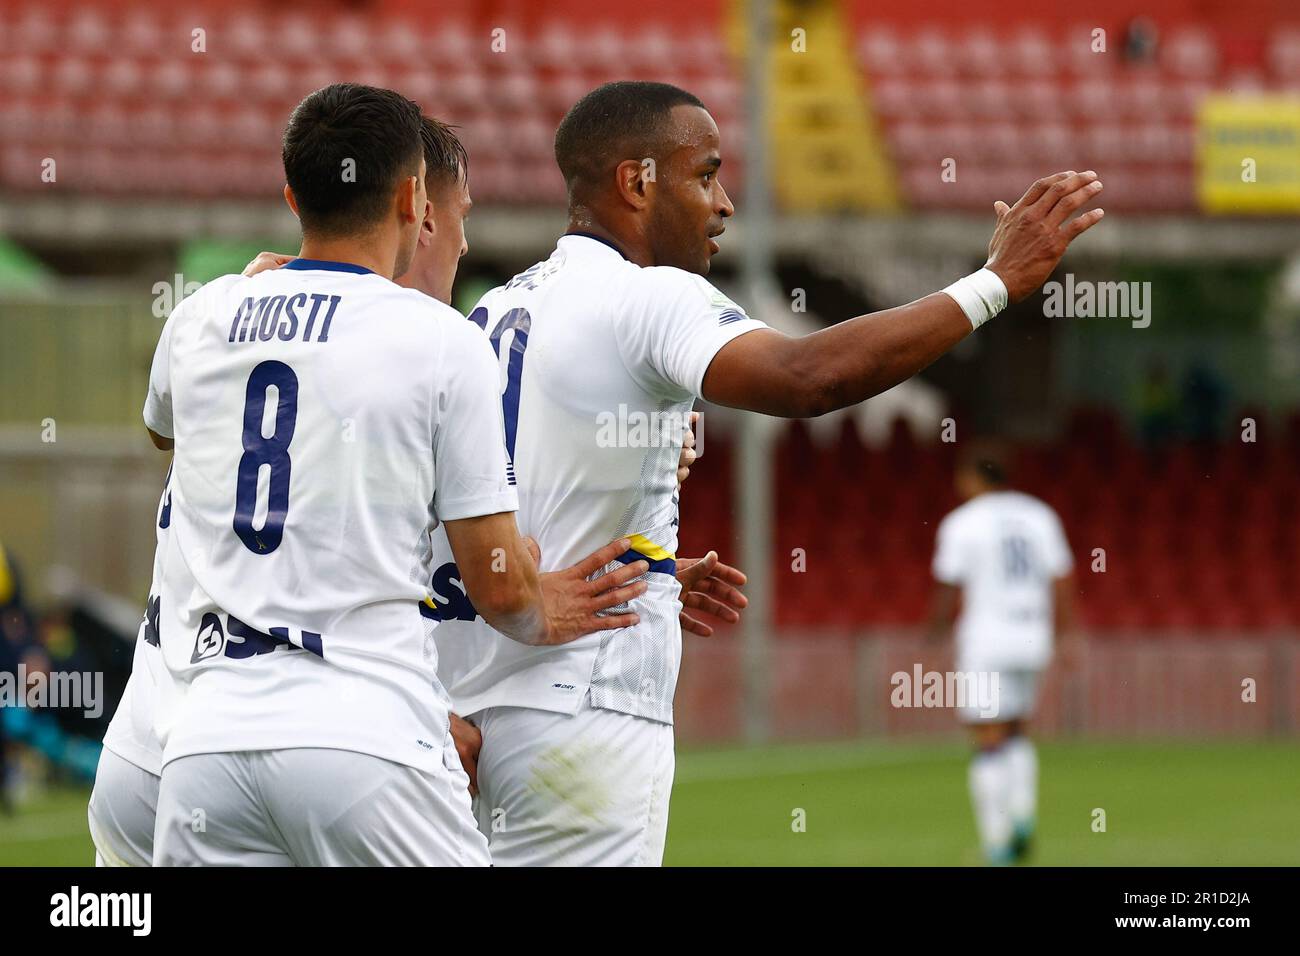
<point>1016,695</point>
<point>584,789</point>
<point>122,810</point>
<point>314,807</point>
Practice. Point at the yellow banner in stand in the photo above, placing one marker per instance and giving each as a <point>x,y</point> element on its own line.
<point>1248,154</point>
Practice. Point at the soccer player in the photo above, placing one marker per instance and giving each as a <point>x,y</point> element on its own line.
<point>324,420</point>
<point>613,335</point>
<point>1005,554</point>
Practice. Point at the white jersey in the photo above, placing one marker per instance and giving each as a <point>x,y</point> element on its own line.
<point>600,362</point>
<point>325,421</point>
<point>131,733</point>
<point>1004,549</point>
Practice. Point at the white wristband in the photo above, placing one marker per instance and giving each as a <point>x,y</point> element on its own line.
<point>981,296</point>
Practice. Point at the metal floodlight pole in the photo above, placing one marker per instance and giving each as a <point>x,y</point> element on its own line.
<point>753,491</point>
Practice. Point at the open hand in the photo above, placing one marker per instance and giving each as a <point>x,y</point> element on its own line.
<point>1031,237</point>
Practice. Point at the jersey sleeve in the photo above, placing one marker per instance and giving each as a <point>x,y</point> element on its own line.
<point>469,450</point>
<point>1060,561</point>
<point>949,558</point>
<point>672,329</point>
<point>158,400</point>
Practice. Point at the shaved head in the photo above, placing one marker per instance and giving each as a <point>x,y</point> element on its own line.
<point>616,122</point>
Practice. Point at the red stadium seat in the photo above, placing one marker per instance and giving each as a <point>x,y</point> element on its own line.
<point>89,30</point>
<point>1191,52</point>
<point>881,53</point>
<point>1284,54</point>
<point>1033,53</point>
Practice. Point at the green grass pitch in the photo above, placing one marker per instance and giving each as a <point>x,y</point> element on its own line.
<point>1166,804</point>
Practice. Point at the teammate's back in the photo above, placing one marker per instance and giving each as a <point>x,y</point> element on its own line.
<point>309,406</point>
<point>607,359</point>
<point>600,361</point>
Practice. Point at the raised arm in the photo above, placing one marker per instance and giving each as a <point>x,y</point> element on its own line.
<point>766,371</point>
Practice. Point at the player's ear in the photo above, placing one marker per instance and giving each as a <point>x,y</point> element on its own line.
<point>428,228</point>
<point>408,194</point>
<point>288,198</point>
<point>632,182</point>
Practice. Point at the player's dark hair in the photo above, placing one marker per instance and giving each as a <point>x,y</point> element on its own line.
<point>612,123</point>
<point>445,159</point>
<point>345,149</point>
<point>988,459</point>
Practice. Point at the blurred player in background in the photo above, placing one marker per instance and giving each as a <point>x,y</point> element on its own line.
<point>1004,554</point>
<point>577,759</point>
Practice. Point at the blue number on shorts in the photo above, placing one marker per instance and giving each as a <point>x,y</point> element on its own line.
<point>259,451</point>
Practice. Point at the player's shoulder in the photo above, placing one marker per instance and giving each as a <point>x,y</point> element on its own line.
<point>682,293</point>
<point>209,296</point>
<point>670,282</point>
<point>447,328</point>
<point>421,303</point>
<point>973,516</point>
<point>490,301</point>
<point>1030,504</point>
<point>954,520</point>
<point>221,284</point>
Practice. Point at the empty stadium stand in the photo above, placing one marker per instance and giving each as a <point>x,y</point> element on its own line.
<point>1193,538</point>
<point>121,98</point>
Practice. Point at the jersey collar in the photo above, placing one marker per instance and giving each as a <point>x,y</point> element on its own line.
<point>595,238</point>
<point>324,265</point>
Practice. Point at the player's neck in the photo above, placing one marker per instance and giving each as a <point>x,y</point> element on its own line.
<point>583,221</point>
<point>421,280</point>
<point>372,254</point>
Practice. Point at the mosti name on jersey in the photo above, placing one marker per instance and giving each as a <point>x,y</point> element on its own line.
<point>280,315</point>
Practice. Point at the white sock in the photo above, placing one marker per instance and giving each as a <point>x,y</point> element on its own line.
<point>1022,801</point>
<point>990,786</point>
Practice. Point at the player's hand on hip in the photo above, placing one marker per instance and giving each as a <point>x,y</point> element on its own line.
<point>1031,237</point>
<point>713,587</point>
<point>266,260</point>
<point>688,456</point>
<point>574,603</point>
<point>469,741</point>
